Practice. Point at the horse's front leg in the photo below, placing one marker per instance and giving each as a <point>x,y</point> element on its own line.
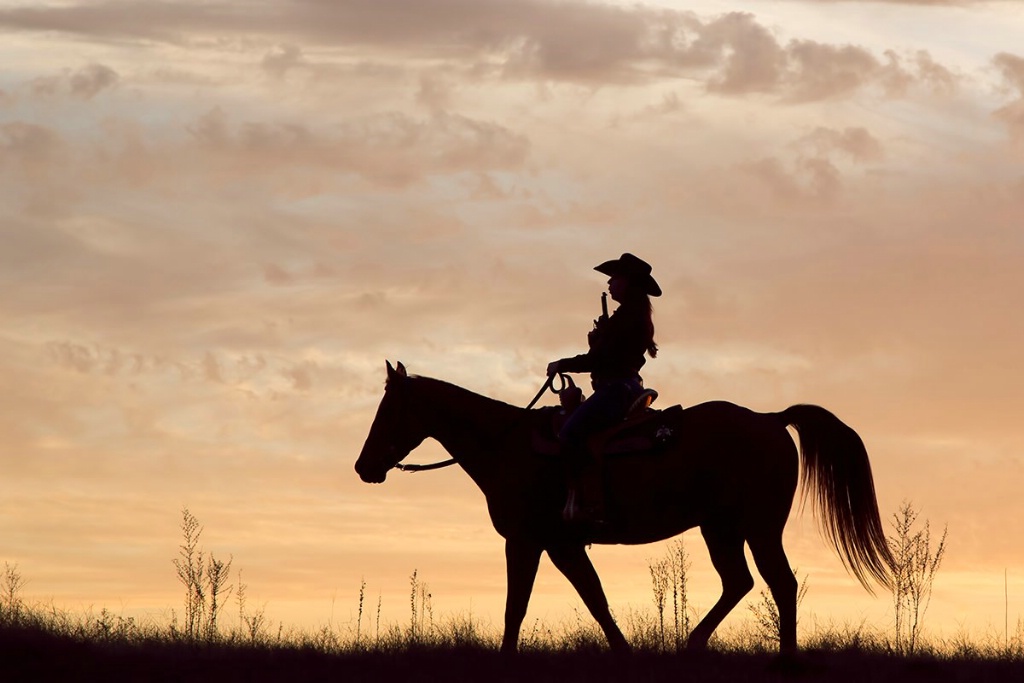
<point>572,560</point>
<point>521,561</point>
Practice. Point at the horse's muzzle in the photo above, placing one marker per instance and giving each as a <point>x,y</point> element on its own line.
<point>371,475</point>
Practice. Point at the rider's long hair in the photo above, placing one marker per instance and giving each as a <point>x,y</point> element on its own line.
<point>637,299</point>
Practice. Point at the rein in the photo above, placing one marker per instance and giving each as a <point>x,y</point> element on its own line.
<point>563,380</point>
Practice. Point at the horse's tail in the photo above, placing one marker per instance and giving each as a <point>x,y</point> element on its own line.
<point>836,470</point>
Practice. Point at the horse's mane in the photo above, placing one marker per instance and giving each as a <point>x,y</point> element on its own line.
<point>472,405</point>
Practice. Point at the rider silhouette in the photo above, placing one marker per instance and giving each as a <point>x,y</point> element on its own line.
<point>616,355</point>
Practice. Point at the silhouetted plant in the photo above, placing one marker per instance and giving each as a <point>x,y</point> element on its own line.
<point>534,637</point>
<point>240,596</point>
<point>679,563</point>
<point>11,605</point>
<point>412,606</point>
<point>251,624</point>
<point>205,582</point>
<point>849,637</point>
<point>659,585</point>
<point>189,566</point>
<point>422,609</point>
<point>914,574</point>
<point>359,618</point>
<point>110,626</point>
<point>380,601</point>
<point>217,575</point>
<point>461,631</point>
<point>766,613</point>
<point>668,573</point>
<point>578,634</point>
<point>326,640</point>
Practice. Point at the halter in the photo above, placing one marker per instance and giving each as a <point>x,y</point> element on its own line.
<point>563,382</point>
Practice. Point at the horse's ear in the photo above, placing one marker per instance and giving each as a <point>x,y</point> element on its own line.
<point>394,374</point>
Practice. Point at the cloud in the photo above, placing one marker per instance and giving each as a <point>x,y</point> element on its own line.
<point>932,74</point>
<point>32,159</point>
<point>88,81</point>
<point>753,59</point>
<point>580,42</point>
<point>129,20</point>
<point>857,143</point>
<point>1012,115</point>
<point>924,3</point>
<point>24,143</point>
<point>84,83</point>
<point>822,71</point>
<point>434,92</point>
<point>1012,68</point>
<point>279,60</point>
<point>807,180</point>
<point>391,148</point>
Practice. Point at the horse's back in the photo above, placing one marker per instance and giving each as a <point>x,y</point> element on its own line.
<point>725,424</point>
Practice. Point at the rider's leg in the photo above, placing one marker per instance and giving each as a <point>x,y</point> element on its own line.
<point>607,405</point>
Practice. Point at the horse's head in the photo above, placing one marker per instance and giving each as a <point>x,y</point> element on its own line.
<point>396,430</point>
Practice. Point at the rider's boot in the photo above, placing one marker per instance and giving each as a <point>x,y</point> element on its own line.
<point>584,504</point>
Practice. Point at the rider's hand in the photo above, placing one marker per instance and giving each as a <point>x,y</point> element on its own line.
<point>553,367</point>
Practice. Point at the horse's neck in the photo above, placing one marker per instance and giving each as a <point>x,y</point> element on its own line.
<point>468,425</point>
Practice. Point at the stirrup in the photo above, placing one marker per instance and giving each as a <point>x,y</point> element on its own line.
<point>575,514</point>
<point>571,511</point>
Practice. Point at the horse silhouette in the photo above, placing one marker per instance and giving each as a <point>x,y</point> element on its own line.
<point>731,471</point>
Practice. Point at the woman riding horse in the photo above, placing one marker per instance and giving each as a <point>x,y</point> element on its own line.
<point>614,359</point>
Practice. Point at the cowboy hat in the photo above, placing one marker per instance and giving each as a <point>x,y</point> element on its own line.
<point>635,269</point>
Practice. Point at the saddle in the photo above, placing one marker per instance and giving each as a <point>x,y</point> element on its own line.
<point>643,430</point>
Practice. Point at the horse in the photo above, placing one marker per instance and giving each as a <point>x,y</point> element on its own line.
<point>732,472</point>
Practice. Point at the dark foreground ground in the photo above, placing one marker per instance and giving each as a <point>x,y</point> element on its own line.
<point>28,655</point>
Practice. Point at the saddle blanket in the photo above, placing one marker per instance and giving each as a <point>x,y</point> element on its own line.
<point>641,432</point>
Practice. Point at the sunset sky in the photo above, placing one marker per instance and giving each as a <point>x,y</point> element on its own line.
<point>218,218</point>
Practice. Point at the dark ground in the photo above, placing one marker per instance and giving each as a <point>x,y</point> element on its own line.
<point>34,655</point>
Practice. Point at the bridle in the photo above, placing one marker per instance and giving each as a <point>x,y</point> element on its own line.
<point>564,381</point>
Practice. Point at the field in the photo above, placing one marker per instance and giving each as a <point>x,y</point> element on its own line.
<point>31,654</point>
<point>36,645</point>
<point>44,643</point>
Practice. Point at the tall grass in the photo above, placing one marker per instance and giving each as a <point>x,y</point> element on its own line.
<point>916,563</point>
<point>205,579</point>
<point>659,629</point>
<point>669,580</point>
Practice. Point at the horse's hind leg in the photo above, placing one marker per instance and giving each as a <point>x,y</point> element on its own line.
<point>573,562</point>
<point>771,561</point>
<point>725,545</point>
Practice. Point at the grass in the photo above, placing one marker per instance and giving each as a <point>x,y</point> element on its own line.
<point>35,650</point>
<point>39,644</point>
<point>43,643</point>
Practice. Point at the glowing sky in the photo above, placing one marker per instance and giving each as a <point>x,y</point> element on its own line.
<point>218,218</point>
